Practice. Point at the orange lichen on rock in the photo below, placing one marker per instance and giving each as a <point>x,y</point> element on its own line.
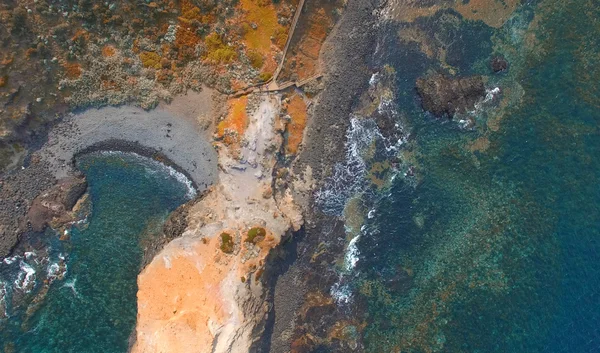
<point>186,38</point>
<point>72,70</point>
<point>260,24</point>
<point>493,12</point>
<point>81,36</point>
<point>3,80</point>
<point>187,295</point>
<point>303,56</point>
<point>108,51</point>
<point>237,119</point>
<point>7,59</point>
<point>150,59</point>
<point>180,302</point>
<point>296,109</point>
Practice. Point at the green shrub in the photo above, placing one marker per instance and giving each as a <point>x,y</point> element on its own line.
<point>256,60</point>
<point>255,235</point>
<point>226,243</point>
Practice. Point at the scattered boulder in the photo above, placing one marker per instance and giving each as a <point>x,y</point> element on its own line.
<point>55,203</point>
<point>499,64</point>
<point>445,96</point>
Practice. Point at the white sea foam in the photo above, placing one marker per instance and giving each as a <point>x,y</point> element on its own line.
<point>180,177</point>
<point>374,79</point>
<point>56,270</point>
<point>341,293</point>
<point>12,259</point>
<point>349,178</point>
<point>3,298</point>
<point>53,269</point>
<point>71,285</point>
<point>352,253</point>
<point>480,106</point>
<point>25,278</point>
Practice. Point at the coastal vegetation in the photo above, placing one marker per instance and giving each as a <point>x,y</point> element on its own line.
<point>227,244</point>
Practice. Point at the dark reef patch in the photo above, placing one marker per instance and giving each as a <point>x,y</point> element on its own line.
<point>445,96</point>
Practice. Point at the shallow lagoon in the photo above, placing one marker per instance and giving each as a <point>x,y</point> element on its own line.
<point>93,308</point>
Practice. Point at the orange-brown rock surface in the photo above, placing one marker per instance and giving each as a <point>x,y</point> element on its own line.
<point>202,292</point>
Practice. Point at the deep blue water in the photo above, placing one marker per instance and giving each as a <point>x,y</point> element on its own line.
<point>93,309</point>
<point>498,250</point>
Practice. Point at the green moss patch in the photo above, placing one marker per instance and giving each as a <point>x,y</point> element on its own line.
<point>256,235</point>
<point>226,243</point>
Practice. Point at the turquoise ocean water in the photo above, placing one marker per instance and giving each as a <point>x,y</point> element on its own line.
<point>93,308</point>
<point>496,249</point>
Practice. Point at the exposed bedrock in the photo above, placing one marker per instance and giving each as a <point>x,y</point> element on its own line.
<point>499,64</point>
<point>442,95</point>
<point>56,203</point>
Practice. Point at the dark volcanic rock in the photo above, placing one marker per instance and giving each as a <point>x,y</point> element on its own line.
<point>56,202</point>
<point>17,192</point>
<point>499,64</point>
<point>442,95</point>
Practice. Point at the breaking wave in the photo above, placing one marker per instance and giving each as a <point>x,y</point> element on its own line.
<point>158,166</point>
<point>348,177</point>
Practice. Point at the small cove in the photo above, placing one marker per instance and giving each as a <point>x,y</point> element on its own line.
<point>92,307</point>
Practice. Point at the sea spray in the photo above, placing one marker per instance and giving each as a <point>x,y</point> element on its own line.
<point>349,180</point>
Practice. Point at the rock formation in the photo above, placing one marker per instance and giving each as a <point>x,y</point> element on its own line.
<point>445,96</point>
<point>56,203</point>
<point>203,292</point>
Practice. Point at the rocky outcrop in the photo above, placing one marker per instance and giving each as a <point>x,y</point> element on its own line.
<point>498,64</point>
<point>203,292</point>
<point>442,95</point>
<point>54,205</point>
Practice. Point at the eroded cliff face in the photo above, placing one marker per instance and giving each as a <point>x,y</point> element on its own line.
<point>202,292</point>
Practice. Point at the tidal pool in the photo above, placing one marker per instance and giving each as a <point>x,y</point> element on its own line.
<point>93,307</point>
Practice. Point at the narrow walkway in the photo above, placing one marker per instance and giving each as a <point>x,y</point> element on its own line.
<point>289,40</point>
<point>271,85</point>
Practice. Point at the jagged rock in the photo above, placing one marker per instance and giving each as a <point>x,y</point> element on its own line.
<point>56,202</point>
<point>499,64</point>
<point>445,96</point>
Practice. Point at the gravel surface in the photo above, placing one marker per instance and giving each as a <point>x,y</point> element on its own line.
<point>174,140</point>
<point>131,129</point>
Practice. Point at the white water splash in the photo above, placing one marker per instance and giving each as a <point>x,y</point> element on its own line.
<point>71,285</point>
<point>352,254</point>
<point>349,178</point>
<point>480,106</point>
<point>180,177</point>
<point>3,299</point>
<point>26,277</point>
<point>341,293</point>
<point>11,260</point>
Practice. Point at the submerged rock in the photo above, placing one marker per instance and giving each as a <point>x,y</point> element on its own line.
<point>499,64</point>
<point>445,96</point>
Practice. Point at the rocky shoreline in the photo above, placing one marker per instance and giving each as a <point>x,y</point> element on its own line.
<point>178,144</point>
<point>172,140</point>
<point>346,56</point>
